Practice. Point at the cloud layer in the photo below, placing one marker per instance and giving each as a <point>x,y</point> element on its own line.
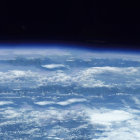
<point>66,94</point>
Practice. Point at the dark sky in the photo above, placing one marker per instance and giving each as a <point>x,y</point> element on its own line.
<point>91,22</point>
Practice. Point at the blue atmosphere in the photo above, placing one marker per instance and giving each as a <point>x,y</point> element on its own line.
<point>68,93</point>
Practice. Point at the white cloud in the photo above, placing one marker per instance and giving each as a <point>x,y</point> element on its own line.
<point>44,103</point>
<point>63,103</point>
<point>107,117</point>
<point>18,73</point>
<point>123,133</point>
<point>116,123</point>
<point>117,70</point>
<point>52,66</point>
<point>87,77</point>
<point>5,103</point>
<point>10,113</point>
<point>70,60</point>
<point>70,101</point>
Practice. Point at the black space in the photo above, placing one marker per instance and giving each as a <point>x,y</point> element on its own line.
<point>89,22</point>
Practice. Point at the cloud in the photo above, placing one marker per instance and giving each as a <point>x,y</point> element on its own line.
<point>104,123</point>
<point>34,51</point>
<point>116,124</point>
<point>44,103</point>
<point>71,101</point>
<point>63,103</point>
<point>107,117</point>
<point>86,77</point>
<point>117,70</point>
<point>52,66</point>
<point>109,76</point>
<point>5,103</point>
<point>10,113</point>
<point>35,79</point>
<point>65,121</point>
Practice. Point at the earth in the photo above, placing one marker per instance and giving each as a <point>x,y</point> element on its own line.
<point>69,94</point>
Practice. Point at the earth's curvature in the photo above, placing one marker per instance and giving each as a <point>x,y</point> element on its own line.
<point>69,94</point>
